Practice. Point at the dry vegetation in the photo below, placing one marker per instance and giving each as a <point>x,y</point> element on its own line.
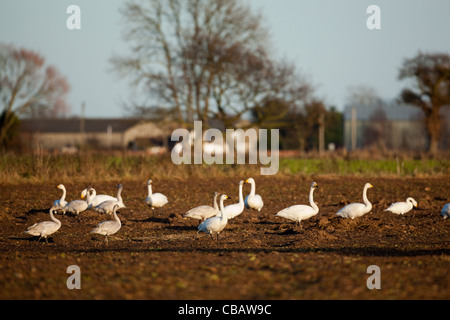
<point>91,167</point>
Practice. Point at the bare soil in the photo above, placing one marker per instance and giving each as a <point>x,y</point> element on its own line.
<point>157,255</point>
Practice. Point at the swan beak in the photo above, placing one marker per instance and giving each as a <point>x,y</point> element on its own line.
<point>82,196</point>
<point>371,186</point>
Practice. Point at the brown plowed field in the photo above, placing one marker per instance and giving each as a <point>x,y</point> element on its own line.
<point>157,255</point>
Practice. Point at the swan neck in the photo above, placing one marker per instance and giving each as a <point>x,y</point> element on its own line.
<point>88,196</point>
<point>149,187</point>
<point>252,189</point>
<point>411,205</point>
<point>63,197</point>
<point>366,200</point>
<point>241,197</point>
<point>116,217</point>
<point>119,197</point>
<point>215,206</point>
<point>311,199</point>
<point>223,216</point>
<point>53,217</point>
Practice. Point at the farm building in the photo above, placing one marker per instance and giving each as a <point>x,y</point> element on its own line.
<point>64,134</point>
<point>391,127</point>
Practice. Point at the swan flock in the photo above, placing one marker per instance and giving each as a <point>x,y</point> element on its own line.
<point>213,218</point>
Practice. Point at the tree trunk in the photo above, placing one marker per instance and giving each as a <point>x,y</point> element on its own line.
<point>433,126</point>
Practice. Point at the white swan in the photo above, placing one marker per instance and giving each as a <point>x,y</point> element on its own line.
<point>204,212</point>
<point>45,228</point>
<point>253,201</point>
<point>355,210</point>
<point>402,207</point>
<point>301,212</point>
<point>233,210</point>
<point>96,199</point>
<point>445,213</point>
<point>215,224</point>
<point>109,227</point>
<point>155,200</point>
<point>77,206</point>
<point>108,206</point>
<point>60,203</point>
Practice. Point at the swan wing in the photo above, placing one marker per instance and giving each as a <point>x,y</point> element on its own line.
<point>201,212</point>
<point>107,227</point>
<point>43,228</point>
<point>233,210</point>
<point>399,207</point>
<point>156,200</point>
<point>297,212</point>
<point>106,206</point>
<point>101,198</point>
<point>353,210</point>
<point>76,206</point>
<point>211,225</point>
<point>256,202</point>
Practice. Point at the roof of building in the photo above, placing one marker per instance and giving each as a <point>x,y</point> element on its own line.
<point>74,125</point>
<point>392,112</point>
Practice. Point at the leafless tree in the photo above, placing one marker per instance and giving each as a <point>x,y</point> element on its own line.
<point>28,88</point>
<point>363,96</point>
<point>429,90</point>
<point>203,58</point>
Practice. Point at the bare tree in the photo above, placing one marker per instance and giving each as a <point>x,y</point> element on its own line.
<point>28,88</point>
<point>430,90</point>
<point>202,58</point>
<point>363,96</point>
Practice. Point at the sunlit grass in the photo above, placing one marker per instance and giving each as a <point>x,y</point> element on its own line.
<point>94,167</point>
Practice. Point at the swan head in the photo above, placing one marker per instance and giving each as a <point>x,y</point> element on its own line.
<point>411,200</point>
<point>368,185</point>
<point>250,180</point>
<point>314,185</point>
<point>224,197</point>
<point>60,186</point>
<point>119,186</point>
<point>241,183</point>
<point>87,192</point>
<point>149,182</point>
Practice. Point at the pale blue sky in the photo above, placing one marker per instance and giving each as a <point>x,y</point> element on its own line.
<point>326,39</point>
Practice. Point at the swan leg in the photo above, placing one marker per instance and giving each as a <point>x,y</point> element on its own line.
<point>211,236</point>
<point>40,238</point>
<point>217,236</point>
<point>106,239</point>
<point>46,240</point>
